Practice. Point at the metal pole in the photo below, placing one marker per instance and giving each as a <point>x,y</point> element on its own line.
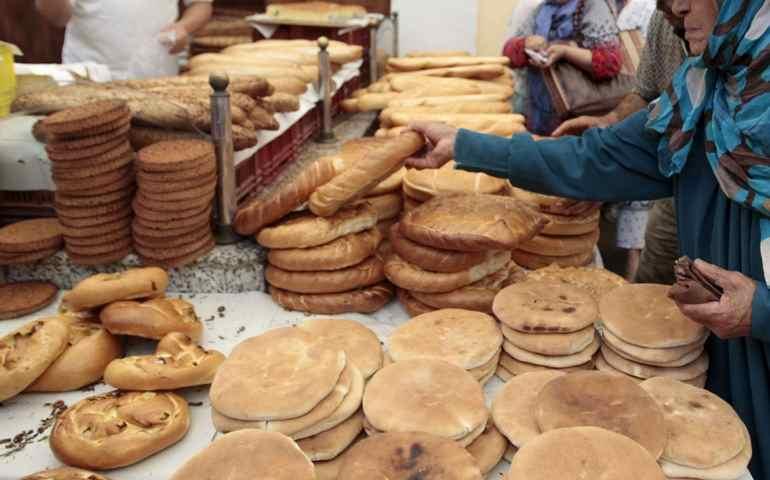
<point>373,76</point>
<point>394,19</point>
<point>222,136</point>
<point>325,84</point>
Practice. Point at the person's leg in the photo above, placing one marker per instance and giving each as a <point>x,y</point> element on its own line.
<point>661,245</point>
<point>632,223</point>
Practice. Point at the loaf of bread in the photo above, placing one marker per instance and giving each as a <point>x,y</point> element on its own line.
<point>220,41</point>
<point>339,53</point>
<point>455,108</point>
<point>422,185</point>
<point>286,198</point>
<point>152,319</point>
<point>246,50</point>
<point>424,63</point>
<point>362,275</point>
<point>264,71</point>
<point>104,288</point>
<point>432,259</point>
<point>341,253</point>
<point>479,72</point>
<point>288,85</point>
<point>364,300</point>
<point>411,277</point>
<point>438,53</point>
<point>561,246</point>
<point>360,178</point>
<point>374,101</point>
<point>387,205</point>
<point>283,102</point>
<point>323,12</point>
<point>446,86</point>
<point>501,129</point>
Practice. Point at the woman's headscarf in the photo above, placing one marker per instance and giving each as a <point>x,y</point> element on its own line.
<point>728,88</point>
<point>555,20</point>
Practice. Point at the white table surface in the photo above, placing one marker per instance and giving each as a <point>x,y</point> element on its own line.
<point>245,315</point>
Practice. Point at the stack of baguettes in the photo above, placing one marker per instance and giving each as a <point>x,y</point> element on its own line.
<point>177,180</point>
<point>302,382</point>
<point>455,250</point>
<point>645,336</point>
<point>566,241</point>
<point>326,261</point>
<point>546,325</point>
<point>92,169</point>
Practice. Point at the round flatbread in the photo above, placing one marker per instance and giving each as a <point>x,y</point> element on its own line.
<point>513,408</point>
<point>598,281</point>
<point>488,449</point>
<point>602,400</point>
<point>533,261</point>
<point>408,456</point>
<point>426,395</point>
<point>412,306</point>
<point>561,225</point>
<point>65,473</point>
<point>643,315</point>
<point>662,357</point>
<point>330,443</point>
<point>341,253</point>
<point>517,367</point>
<point>736,467</point>
<point>564,361</point>
<point>360,344</point>
<point>21,298</point>
<point>461,337</point>
<point>365,274</point>
<point>246,455</point>
<point>703,430</point>
<point>640,370</point>
<point>561,246</point>
<point>412,277</point>
<point>364,300</point>
<point>422,185</point>
<point>278,375</point>
<point>30,236</point>
<point>545,307</point>
<point>554,344</point>
<point>433,259</point>
<point>583,452</point>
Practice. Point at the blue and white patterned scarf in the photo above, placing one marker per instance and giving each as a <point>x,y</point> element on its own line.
<point>727,88</point>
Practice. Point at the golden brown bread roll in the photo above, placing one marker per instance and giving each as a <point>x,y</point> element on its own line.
<point>413,278</point>
<point>364,300</point>
<point>89,349</point>
<point>561,246</point>
<point>178,362</point>
<point>264,211</point>
<point>65,473</point>
<point>104,288</point>
<point>365,174</point>
<point>366,273</point>
<point>387,206</point>
<point>26,352</point>
<point>341,253</point>
<point>283,102</point>
<point>118,429</point>
<point>152,319</point>
<point>370,102</point>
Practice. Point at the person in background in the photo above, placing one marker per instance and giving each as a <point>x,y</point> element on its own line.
<point>520,24</point>
<point>635,15</point>
<point>582,32</point>
<point>135,39</point>
<point>648,234</point>
<point>707,143</point>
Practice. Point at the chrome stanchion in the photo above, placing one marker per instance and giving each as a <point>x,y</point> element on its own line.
<point>222,136</point>
<point>325,91</point>
<point>394,19</point>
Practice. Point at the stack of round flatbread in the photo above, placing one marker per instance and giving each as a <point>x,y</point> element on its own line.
<point>94,176</point>
<point>453,251</point>
<point>547,326</point>
<point>30,241</point>
<point>419,186</point>
<point>597,281</point>
<point>299,382</point>
<point>706,438</point>
<point>327,265</point>
<point>470,340</point>
<point>567,240</point>
<point>645,336</point>
<point>176,184</point>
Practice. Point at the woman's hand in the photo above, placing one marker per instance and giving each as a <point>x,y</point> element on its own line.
<point>536,43</point>
<point>577,126</point>
<point>439,144</point>
<point>730,317</point>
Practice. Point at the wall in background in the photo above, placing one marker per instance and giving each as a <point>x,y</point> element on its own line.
<point>437,24</point>
<point>493,20</point>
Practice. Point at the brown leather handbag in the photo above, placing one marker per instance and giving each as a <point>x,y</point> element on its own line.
<point>574,92</point>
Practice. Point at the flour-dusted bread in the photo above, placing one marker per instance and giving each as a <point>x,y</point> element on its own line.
<point>472,223</point>
<point>154,318</point>
<point>118,429</point>
<point>104,288</point>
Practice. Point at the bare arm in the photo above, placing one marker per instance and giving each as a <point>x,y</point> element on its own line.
<point>630,104</point>
<point>57,12</point>
<point>196,16</point>
<point>580,57</point>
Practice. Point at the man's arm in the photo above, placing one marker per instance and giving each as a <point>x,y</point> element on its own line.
<point>57,12</point>
<point>194,17</point>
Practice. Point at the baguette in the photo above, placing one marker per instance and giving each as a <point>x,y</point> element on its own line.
<point>219,59</point>
<point>423,63</point>
<point>262,71</point>
<point>262,119</point>
<point>221,27</point>
<point>286,198</point>
<point>350,105</point>
<point>253,86</point>
<point>283,102</point>
<point>291,86</point>
<point>438,53</point>
<point>501,129</point>
<point>361,177</point>
<point>337,54</point>
<point>380,86</point>
<point>480,72</point>
<point>400,102</point>
<point>375,101</point>
<point>459,108</point>
<point>463,86</point>
<point>220,41</point>
<point>290,55</point>
<point>482,120</point>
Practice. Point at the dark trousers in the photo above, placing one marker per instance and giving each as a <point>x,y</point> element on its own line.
<point>661,245</point>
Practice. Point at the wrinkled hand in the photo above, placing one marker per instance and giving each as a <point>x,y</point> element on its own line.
<point>730,317</point>
<point>577,126</point>
<point>181,37</point>
<point>439,145</point>
<point>535,42</point>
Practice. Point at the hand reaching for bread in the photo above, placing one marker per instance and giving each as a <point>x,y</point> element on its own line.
<point>439,145</point>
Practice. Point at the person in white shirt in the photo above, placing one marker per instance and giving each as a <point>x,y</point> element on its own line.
<point>134,38</point>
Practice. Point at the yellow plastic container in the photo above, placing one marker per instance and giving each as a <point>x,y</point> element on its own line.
<point>7,76</point>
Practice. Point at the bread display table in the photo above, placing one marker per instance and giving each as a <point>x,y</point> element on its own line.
<point>229,319</point>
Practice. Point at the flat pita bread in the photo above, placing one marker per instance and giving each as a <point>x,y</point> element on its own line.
<point>661,357</point>
<point>359,343</point>
<point>488,449</point>
<point>329,444</point>
<point>513,408</point>
<point>461,337</point>
<point>598,281</point>
<point>602,400</point>
<point>736,467</point>
<point>704,430</point>
<point>583,452</point>
<point>516,367</point>
<point>643,315</point>
<point>553,361</point>
<point>545,307</point>
<point>639,370</point>
<point>553,344</point>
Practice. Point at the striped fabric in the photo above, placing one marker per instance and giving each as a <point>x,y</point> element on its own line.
<point>727,88</point>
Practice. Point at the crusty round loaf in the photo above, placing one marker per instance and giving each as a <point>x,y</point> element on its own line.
<point>307,230</point>
<point>64,473</point>
<point>29,236</point>
<point>472,223</point>
<point>561,246</point>
<point>104,288</point>
<point>21,298</point>
<point>89,349</point>
<point>561,225</point>
<point>178,362</point>
<point>118,429</point>
<point>28,351</point>
<point>411,277</point>
<point>412,306</point>
<point>341,253</point>
<point>387,206</point>
<point>433,259</point>
<point>364,300</point>
<point>366,273</point>
<point>422,185</point>
<point>533,261</point>
<point>154,318</point>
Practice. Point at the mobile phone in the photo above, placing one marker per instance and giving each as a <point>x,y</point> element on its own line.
<point>537,56</point>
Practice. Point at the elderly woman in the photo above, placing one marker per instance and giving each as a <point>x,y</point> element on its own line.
<point>707,143</point>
